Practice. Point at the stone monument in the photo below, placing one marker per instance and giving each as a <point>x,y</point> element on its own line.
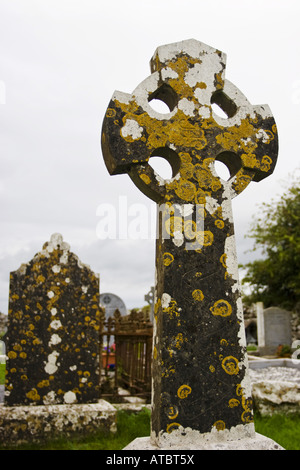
<point>274,328</point>
<point>53,337</point>
<point>111,303</point>
<point>201,394</point>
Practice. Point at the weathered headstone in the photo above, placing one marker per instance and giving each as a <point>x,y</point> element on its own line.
<point>274,328</point>
<point>111,303</point>
<point>2,352</point>
<point>201,388</point>
<point>53,341</point>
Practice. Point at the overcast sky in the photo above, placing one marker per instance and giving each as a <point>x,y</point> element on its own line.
<point>60,62</point>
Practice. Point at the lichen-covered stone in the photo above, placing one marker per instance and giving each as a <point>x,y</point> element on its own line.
<point>200,380</point>
<point>53,341</point>
<point>21,424</point>
<point>275,386</point>
<point>274,396</point>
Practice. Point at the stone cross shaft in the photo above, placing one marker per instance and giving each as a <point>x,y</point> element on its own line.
<point>200,378</point>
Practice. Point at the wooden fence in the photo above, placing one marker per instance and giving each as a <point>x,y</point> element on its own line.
<point>126,355</point>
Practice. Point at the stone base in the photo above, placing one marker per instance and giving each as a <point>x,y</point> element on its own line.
<point>22,424</point>
<point>258,442</point>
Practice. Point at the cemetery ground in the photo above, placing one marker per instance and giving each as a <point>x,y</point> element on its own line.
<point>284,429</point>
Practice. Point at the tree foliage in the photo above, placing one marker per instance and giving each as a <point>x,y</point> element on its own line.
<point>274,279</point>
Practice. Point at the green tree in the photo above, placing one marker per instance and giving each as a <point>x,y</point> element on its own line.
<point>274,279</point>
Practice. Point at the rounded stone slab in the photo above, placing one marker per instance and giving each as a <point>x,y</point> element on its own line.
<point>258,442</point>
<point>111,303</point>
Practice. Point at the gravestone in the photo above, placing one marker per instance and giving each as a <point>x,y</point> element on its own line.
<point>274,328</point>
<point>53,342</point>
<point>150,299</point>
<point>111,303</point>
<point>201,388</point>
<point>2,352</point>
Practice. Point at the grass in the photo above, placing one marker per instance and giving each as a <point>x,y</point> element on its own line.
<point>283,429</point>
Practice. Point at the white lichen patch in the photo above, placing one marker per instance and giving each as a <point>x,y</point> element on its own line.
<point>211,204</point>
<point>191,47</point>
<point>161,181</point>
<point>22,269</point>
<point>205,72</point>
<point>55,324</point>
<point>70,397</point>
<point>122,97</point>
<point>261,134</point>
<point>50,398</point>
<point>165,300</point>
<point>231,260</point>
<point>55,339</point>
<point>191,438</point>
<point>132,129</point>
<point>167,72</point>
<point>187,106</point>
<point>50,294</point>
<point>178,238</point>
<point>205,112</point>
<point>186,209</point>
<point>64,258</point>
<point>226,204</point>
<point>56,269</point>
<point>51,366</point>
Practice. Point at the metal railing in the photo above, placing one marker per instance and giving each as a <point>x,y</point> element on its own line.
<point>126,355</point>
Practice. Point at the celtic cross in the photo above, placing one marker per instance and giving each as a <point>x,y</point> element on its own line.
<point>200,370</point>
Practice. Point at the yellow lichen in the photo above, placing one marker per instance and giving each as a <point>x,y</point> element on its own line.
<point>168,258</point>
<point>222,308</point>
<point>145,178</point>
<point>43,383</point>
<point>171,427</point>
<point>219,425</point>
<point>33,395</point>
<point>231,365</point>
<point>184,391</point>
<point>12,354</point>
<point>198,295</point>
<point>233,402</point>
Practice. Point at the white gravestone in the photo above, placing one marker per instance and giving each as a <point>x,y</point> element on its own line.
<point>273,328</point>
